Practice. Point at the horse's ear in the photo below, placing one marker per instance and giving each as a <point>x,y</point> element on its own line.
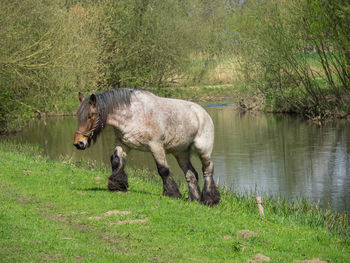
<point>92,100</point>
<point>80,96</point>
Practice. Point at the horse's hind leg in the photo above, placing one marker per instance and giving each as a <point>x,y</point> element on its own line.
<point>210,194</point>
<point>118,181</point>
<point>169,186</point>
<point>191,175</point>
<point>203,144</point>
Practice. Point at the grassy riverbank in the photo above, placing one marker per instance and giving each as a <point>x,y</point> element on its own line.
<point>59,212</point>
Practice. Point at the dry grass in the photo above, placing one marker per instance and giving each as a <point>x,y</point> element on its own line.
<point>226,71</point>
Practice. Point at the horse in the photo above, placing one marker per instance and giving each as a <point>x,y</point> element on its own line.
<point>146,122</point>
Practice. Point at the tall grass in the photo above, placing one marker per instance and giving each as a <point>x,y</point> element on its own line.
<point>281,210</point>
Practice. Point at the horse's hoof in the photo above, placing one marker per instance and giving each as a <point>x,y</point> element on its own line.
<point>210,198</point>
<point>194,197</point>
<point>173,194</point>
<point>117,187</point>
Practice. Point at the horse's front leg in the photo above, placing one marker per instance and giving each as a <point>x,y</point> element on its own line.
<point>170,187</point>
<point>118,181</point>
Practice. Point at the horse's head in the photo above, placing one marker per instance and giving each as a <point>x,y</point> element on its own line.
<point>88,120</point>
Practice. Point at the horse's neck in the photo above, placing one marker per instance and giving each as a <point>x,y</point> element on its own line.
<point>118,117</point>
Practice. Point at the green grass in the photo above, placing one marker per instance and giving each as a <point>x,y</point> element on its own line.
<point>46,206</point>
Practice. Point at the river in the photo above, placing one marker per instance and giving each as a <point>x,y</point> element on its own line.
<point>277,155</point>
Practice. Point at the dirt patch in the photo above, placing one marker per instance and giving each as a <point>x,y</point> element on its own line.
<point>23,200</point>
<point>259,258</point>
<point>245,234</point>
<point>55,217</point>
<point>109,213</point>
<point>51,256</point>
<point>130,221</point>
<point>99,178</point>
<point>228,237</point>
<point>80,213</point>
<point>27,172</point>
<point>314,260</point>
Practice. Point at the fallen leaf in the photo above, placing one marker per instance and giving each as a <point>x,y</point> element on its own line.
<point>245,234</point>
<point>259,258</point>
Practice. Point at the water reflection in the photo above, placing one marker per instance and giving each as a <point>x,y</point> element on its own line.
<point>280,155</point>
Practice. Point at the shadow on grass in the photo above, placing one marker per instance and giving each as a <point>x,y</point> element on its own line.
<point>94,189</point>
<point>142,192</point>
<point>99,189</point>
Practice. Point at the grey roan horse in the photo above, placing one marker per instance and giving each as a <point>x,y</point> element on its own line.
<point>146,122</point>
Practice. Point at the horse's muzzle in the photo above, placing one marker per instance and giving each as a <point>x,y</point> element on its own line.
<point>81,141</point>
<point>80,145</point>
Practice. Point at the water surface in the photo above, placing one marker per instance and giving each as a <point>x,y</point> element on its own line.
<point>278,155</point>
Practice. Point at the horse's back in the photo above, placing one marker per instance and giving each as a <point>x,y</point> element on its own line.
<point>181,123</point>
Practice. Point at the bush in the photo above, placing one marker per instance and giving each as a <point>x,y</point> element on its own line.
<point>297,53</point>
<point>49,50</point>
<point>46,53</point>
<point>145,43</point>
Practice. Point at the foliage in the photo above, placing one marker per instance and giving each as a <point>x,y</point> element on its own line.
<point>153,43</point>
<point>46,52</point>
<point>143,42</point>
<point>297,53</point>
<point>49,50</point>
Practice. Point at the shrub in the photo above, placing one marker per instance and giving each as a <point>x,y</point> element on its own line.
<point>297,53</point>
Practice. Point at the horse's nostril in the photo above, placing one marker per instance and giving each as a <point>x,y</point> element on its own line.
<point>80,145</point>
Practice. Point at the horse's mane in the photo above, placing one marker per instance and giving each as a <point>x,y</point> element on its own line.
<point>106,102</point>
<point>109,100</point>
